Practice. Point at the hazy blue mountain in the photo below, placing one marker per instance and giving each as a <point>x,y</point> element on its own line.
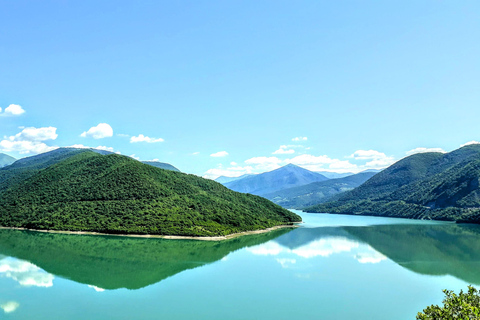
<point>334,175</point>
<point>161,165</point>
<point>224,179</point>
<point>6,160</point>
<point>282,178</point>
<point>422,186</point>
<point>316,192</point>
<point>371,170</point>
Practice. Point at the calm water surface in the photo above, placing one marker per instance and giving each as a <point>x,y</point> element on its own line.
<point>332,267</point>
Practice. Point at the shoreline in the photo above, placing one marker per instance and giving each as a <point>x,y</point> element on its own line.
<point>170,237</point>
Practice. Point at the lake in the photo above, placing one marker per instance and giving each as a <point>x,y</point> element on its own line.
<point>331,267</point>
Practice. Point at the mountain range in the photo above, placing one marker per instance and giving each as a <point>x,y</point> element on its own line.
<point>282,178</point>
<point>223,179</point>
<point>316,192</point>
<point>6,160</point>
<point>81,190</point>
<point>443,186</point>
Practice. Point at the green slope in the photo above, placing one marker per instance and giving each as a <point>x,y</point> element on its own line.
<point>117,194</point>
<point>119,262</point>
<point>27,167</point>
<point>317,192</point>
<point>422,186</point>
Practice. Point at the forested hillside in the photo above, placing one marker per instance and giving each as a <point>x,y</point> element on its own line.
<point>422,186</point>
<point>83,190</point>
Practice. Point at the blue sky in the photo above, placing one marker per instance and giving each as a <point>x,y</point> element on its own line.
<point>364,82</point>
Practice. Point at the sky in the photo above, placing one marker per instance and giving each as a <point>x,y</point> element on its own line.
<point>233,87</point>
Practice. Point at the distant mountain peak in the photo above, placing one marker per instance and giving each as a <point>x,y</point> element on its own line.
<point>284,177</point>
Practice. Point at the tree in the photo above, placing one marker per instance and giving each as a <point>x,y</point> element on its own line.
<point>464,306</point>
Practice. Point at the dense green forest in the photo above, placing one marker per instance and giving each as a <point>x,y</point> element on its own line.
<point>316,192</point>
<point>80,190</point>
<point>422,186</point>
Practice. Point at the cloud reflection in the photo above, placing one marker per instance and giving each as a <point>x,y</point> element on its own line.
<point>320,248</point>
<point>25,273</point>
<point>10,306</point>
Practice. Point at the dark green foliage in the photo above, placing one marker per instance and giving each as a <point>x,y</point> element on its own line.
<point>27,167</point>
<point>6,160</point>
<point>465,306</point>
<point>422,186</point>
<point>117,194</point>
<point>317,192</point>
<point>112,262</point>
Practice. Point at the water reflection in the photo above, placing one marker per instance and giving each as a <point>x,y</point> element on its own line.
<point>323,242</point>
<point>447,249</point>
<point>431,249</point>
<point>25,273</point>
<point>109,262</point>
<point>9,306</point>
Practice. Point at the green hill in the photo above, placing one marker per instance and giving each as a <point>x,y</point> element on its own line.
<point>316,192</point>
<point>422,186</point>
<point>6,160</point>
<point>86,191</point>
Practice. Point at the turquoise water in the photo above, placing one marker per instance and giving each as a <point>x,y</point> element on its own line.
<point>331,267</point>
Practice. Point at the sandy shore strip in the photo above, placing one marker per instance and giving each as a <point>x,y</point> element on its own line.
<point>216,238</point>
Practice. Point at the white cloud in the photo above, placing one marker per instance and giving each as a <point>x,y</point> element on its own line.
<point>284,150</point>
<point>12,110</point>
<point>9,306</point>
<point>322,247</point>
<point>319,163</point>
<point>25,273</point>
<point>36,134</point>
<point>370,256</point>
<point>379,160</point>
<point>25,147</point>
<point>286,263</point>
<point>134,157</point>
<point>219,154</point>
<point>195,153</point>
<point>102,130</point>
<point>300,139</point>
<point>469,143</point>
<point>367,155</point>
<point>325,247</point>
<point>29,140</point>
<point>142,138</point>
<point>379,163</point>
<point>424,150</point>
<point>123,135</point>
<point>262,164</point>
<point>229,172</point>
<point>233,163</point>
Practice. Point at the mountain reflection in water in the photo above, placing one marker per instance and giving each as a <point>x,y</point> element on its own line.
<point>104,262</point>
<point>118,262</point>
